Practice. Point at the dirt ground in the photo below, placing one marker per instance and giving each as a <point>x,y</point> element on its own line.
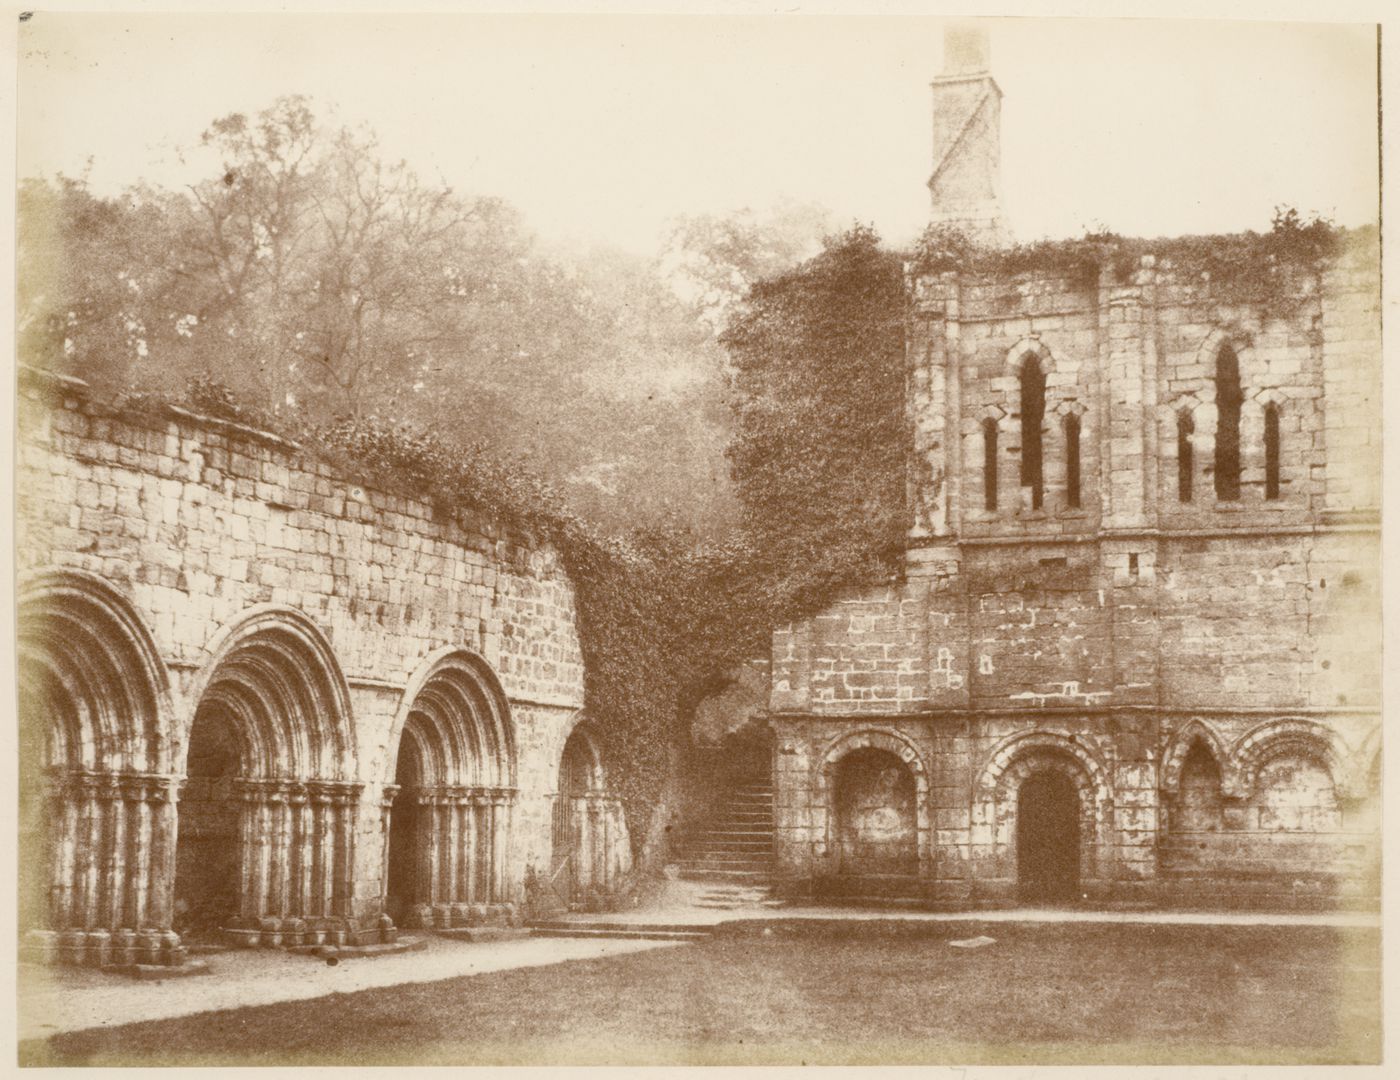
<point>814,992</point>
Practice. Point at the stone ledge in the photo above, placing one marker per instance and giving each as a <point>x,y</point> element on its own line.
<point>484,933</point>
<point>351,952</point>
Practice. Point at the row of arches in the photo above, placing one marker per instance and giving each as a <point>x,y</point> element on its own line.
<point>247,815</point>
<point>1214,424</point>
<point>1041,810</point>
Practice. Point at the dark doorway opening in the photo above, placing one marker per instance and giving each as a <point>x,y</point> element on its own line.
<point>1047,839</point>
<point>207,849</point>
<point>402,886</point>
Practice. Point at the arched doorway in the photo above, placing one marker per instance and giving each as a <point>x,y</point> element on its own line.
<point>876,823</point>
<point>95,806</point>
<point>207,855</point>
<point>448,810</point>
<point>267,819</point>
<point>590,851</point>
<point>1047,838</point>
<point>401,889</point>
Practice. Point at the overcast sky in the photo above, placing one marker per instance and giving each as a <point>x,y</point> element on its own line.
<point>600,128</point>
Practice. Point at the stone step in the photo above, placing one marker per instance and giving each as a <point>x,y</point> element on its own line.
<point>708,874</point>
<point>648,934</point>
<point>719,862</point>
<point>730,844</point>
<point>581,923</point>
<point>352,952</point>
<point>484,933</point>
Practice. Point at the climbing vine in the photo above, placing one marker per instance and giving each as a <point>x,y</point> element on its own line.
<point>817,387</point>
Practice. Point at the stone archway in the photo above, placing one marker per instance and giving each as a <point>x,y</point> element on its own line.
<point>872,807</point>
<point>96,800</point>
<point>590,850</point>
<point>1056,765</point>
<point>447,812</point>
<point>268,803</point>
<point>876,815</point>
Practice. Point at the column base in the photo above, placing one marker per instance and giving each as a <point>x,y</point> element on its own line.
<point>116,949</point>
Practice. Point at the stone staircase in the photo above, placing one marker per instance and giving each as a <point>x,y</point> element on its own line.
<point>737,848</point>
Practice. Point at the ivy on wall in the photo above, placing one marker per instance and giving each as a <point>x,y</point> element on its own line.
<point>1266,269</point>
<point>817,385</point>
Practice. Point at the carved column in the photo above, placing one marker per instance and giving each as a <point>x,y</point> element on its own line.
<point>386,820</point>
<point>424,836</point>
<point>471,806</point>
<point>453,836</point>
<point>279,880</point>
<point>141,791</point>
<point>163,809</point>
<point>323,849</point>
<point>114,888</point>
<point>90,852</point>
<point>305,848</point>
<point>499,843</point>
<point>64,864</point>
<point>349,800</point>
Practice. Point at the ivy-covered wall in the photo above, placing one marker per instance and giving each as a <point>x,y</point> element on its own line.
<point>198,521</point>
<point>1106,625</point>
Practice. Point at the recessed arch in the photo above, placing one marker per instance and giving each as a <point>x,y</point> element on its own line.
<point>95,795</point>
<point>1009,750</point>
<point>267,815</point>
<point>996,805</point>
<point>275,672</point>
<point>90,667</point>
<point>1179,745</point>
<point>458,694</point>
<point>1275,738</point>
<point>590,850</point>
<point>450,776</point>
<point>826,775</point>
<point>880,738</point>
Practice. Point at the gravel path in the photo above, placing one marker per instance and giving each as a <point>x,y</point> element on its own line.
<point>52,1000</point>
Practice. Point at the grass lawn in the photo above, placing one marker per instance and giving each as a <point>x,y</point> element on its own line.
<point>831,993</point>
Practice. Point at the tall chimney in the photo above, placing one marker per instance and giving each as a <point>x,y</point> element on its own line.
<point>966,183</point>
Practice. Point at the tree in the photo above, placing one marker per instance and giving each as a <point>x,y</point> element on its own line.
<point>713,260</point>
<point>306,276</point>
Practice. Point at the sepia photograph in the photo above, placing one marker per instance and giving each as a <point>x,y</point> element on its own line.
<point>713,537</point>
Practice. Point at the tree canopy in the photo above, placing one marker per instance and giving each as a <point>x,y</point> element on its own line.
<point>307,277</point>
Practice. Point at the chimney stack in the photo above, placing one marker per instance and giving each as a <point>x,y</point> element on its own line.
<point>965,187</point>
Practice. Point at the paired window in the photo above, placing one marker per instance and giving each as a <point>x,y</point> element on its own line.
<point>1032,444</point>
<point>1229,400</point>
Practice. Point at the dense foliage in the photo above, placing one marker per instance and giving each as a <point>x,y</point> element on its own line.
<point>818,453</point>
<point>316,279</point>
<point>701,487</point>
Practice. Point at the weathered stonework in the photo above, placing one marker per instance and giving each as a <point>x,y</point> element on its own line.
<point>321,638</point>
<point>1204,670</point>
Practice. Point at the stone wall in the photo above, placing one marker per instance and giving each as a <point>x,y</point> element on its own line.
<point>209,541</point>
<point>1109,628</point>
